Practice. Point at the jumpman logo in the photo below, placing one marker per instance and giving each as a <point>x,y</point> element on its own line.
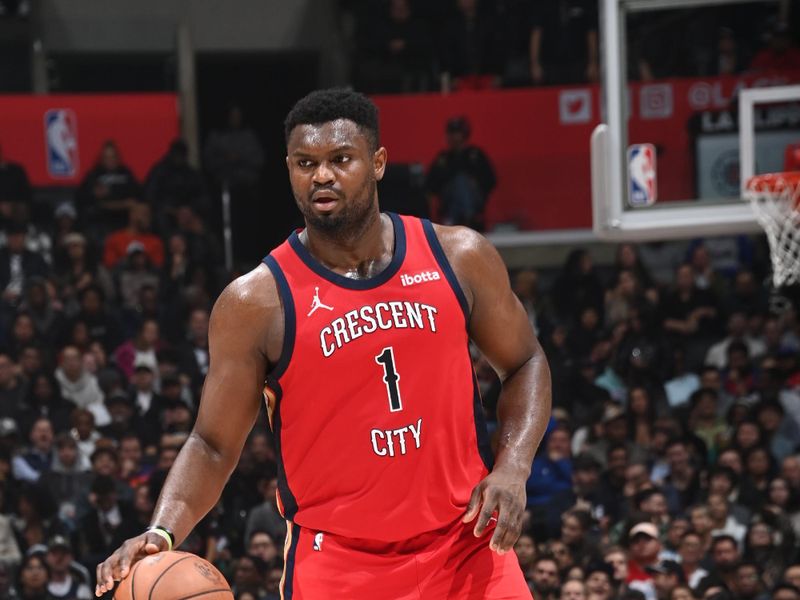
<point>315,303</point>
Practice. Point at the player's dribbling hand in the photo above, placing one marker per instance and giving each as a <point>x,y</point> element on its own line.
<point>117,566</point>
<point>501,497</point>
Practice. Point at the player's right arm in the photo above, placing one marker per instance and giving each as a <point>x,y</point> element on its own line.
<point>245,336</point>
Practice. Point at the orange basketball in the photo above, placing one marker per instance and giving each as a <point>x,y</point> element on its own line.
<point>173,576</point>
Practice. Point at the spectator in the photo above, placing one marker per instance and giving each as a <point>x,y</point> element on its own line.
<point>779,55</point>
<point>118,244</point>
<point>134,274</point>
<point>249,575</point>
<point>77,271</point>
<point>691,554</point>
<point>83,431</point>
<point>10,556</point>
<point>108,523</point>
<point>38,458</point>
<point>140,351</point>
<point>14,184</point>
<point>725,556</point>
<point>102,325</point>
<point>194,357</point>
<point>599,577</point>
<point>108,190</point>
<point>563,44</point>
<point>124,418</point>
<point>34,578</point>
<point>545,580</point>
<point>785,591</point>
<point>66,581</point>
<point>644,548</point>
<point>573,589</point>
<point>18,265</point>
<point>667,575</point>
<point>263,546</point>
<point>525,550</point>
<point>396,50</point>
<point>173,182</point>
<point>737,332</point>
<point>68,479</point>
<point>132,468</point>
<point>749,585</point>
<point>577,286</point>
<point>79,386</point>
<point>470,48</point>
<point>552,469</point>
<point>462,177</point>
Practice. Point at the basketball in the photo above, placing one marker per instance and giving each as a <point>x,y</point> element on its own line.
<point>173,576</point>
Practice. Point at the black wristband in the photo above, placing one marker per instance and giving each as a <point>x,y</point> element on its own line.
<point>165,530</point>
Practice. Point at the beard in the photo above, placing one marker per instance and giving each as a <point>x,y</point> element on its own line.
<point>350,220</point>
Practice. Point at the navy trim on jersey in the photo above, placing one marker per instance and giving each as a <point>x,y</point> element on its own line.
<point>288,582</point>
<point>356,284</point>
<point>481,433</point>
<point>444,264</point>
<point>287,497</point>
<point>289,318</point>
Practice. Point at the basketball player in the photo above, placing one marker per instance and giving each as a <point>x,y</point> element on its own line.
<point>360,324</point>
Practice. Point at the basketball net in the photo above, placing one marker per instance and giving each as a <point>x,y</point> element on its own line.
<point>774,199</point>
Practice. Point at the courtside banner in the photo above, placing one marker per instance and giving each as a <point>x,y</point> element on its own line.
<point>58,138</point>
<point>538,139</point>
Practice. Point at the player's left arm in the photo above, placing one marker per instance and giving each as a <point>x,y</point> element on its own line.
<point>499,325</point>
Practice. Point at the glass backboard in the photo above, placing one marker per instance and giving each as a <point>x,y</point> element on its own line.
<point>667,161</point>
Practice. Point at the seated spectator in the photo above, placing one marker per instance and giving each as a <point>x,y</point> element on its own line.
<point>33,578</point>
<point>10,555</point>
<point>203,248</point>
<point>725,557</point>
<point>43,400</point>
<point>723,522</point>
<point>471,50</point>
<point>780,55</point>
<point>11,389</point>
<point>705,423</point>
<point>462,177</point>
<point>266,515</point>
<point>14,184</point>
<point>68,479</point>
<point>785,591</point>
<point>66,218</point>
<point>563,44</point>
<point>38,458</point>
<point>118,243</point>
<point>690,551</point>
<point>263,546</point>
<point>42,308</point>
<point>83,431</point>
<point>79,386</point>
<point>552,468</point>
<point>77,270</point>
<point>644,548</point>
<point>545,578</point>
<point>140,351</point>
<point>109,522</point>
<point>781,433</point>
<point>173,182</point>
<point>102,325</point>
<point>193,352</point>
<point>396,50</point>
<point>68,579</point>
<point>717,355</point>
<point>573,589</point>
<point>525,550</point>
<point>18,265</point>
<point>132,468</point>
<point>599,581</point>
<point>133,274</point>
<point>577,286</point>
<point>749,583</point>
<point>667,575</point>
<point>34,519</point>
<point>124,418</point>
<point>249,575</point>
<point>108,190</point>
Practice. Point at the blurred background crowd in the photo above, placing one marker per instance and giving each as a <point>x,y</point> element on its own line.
<point>671,465</point>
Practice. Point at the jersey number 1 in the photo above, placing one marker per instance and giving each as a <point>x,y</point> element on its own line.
<point>390,378</point>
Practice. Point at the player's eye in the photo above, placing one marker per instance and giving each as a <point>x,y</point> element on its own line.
<point>304,163</point>
<point>342,158</point>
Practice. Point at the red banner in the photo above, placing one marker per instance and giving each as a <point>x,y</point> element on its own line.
<point>538,140</point>
<point>58,138</point>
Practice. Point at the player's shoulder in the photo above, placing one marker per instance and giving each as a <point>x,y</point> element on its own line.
<point>255,290</point>
<point>461,243</point>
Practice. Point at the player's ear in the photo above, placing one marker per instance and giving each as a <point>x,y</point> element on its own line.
<point>379,162</point>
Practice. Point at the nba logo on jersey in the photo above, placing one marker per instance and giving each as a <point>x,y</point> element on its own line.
<point>318,542</point>
<point>642,175</point>
<point>61,141</point>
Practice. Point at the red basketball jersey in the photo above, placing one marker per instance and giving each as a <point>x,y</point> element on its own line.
<point>374,404</point>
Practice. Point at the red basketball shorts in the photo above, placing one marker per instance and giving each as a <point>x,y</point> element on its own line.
<point>447,564</point>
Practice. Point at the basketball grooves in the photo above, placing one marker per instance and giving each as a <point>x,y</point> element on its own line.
<point>133,570</point>
<point>160,575</point>
<point>207,592</point>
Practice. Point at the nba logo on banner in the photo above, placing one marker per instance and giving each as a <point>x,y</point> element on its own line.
<point>61,141</point>
<point>642,189</point>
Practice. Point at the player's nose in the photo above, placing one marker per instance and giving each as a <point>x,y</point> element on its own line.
<point>323,174</point>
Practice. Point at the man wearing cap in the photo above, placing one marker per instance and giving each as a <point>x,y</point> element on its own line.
<point>644,548</point>
<point>461,176</point>
<point>667,575</point>
<point>64,580</point>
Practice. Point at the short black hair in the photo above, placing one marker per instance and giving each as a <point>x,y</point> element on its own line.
<point>323,106</point>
